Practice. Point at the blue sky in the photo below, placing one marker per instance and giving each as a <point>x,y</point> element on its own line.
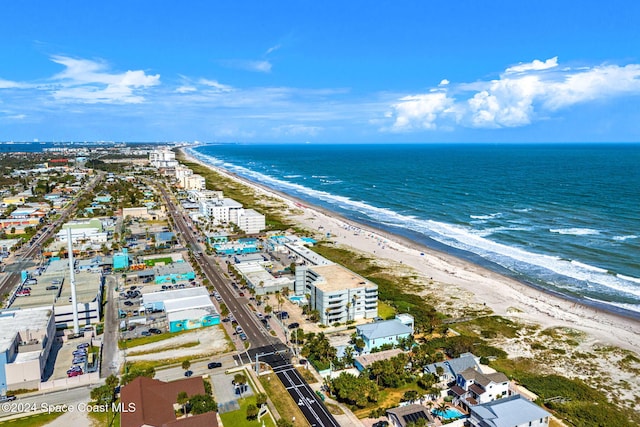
<point>297,71</point>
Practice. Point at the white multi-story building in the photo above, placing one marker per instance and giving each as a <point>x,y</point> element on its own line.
<point>250,221</point>
<point>193,182</point>
<point>220,211</point>
<point>202,195</point>
<point>26,336</point>
<point>338,294</point>
<point>163,158</point>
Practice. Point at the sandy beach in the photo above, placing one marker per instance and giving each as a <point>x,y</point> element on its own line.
<point>466,285</point>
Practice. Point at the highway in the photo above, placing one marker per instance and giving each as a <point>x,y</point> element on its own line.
<point>268,348</point>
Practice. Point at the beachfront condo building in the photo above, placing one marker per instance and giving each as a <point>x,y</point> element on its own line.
<point>338,294</point>
<point>226,211</point>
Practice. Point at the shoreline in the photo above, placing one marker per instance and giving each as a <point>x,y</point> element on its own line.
<point>505,296</point>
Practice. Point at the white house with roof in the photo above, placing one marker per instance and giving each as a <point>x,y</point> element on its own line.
<point>447,370</point>
<point>377,334</point>
<point>473,387</point>
<point>514,411</point>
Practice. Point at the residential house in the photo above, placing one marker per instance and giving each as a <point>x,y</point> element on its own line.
<point>403,415</point>
<point>364,361</point>
<point>513,411</point>
<point>473,387</point>
<point>447,371</point>
<point>377,334</point>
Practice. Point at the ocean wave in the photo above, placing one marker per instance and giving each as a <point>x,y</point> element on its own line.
<point>623,238</point>
<point>462,237</point>
<point>575,231</point>
<point>629,278</point>
<point>589,267</point>
<point>490,216</point>
<point>292,176</point>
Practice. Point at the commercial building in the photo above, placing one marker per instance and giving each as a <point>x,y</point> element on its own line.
<point>163,158</point>
<point>261,280</point>
<point>53,288</point>
<point>174,272</point>
<point>26,336</point>
<point>220,211</point>
<point>153,403</point>
<point>189,308</point>
<point>514,411</point>
<point>338,294</point>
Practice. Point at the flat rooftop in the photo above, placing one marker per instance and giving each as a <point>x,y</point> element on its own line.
<point>163,296</point>
<point>338,278</point>
<point>13,321</point>
<point>87,287</point>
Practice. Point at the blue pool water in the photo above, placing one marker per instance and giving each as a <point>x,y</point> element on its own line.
<point>296,298</point>
<point>449,414</point>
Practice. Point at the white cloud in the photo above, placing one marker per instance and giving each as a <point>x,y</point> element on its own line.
<point>186,89</point>
<point>272,49</point>
<point>88,81</point>
<point>8,84</point>
<point>535,65</point>
<point>519,96</point>
<point>297,129</point>
<point>260,66</point>
<point>421,111</point>
<point>218,87</point>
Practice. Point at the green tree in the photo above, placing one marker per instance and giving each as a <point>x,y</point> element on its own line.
<point>202,403</point>
<point>135,372</point>
<point>252,412</point>
<point>261,399</point>
<point>186,365</point>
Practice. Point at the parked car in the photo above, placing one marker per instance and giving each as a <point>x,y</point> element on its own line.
<point>381,424</point>
<point>74,373</point>
<point>188,373</point>
<point>294,325</point>
<point>23,293</point>
<point>241,294</point>
<point>51,288</point>
<point>283,315</point>
<point>155,331</point>
<point>80,352</point>
<point>243,337</point>
<point>83,345</point>
<point>214,365</point>
<point>145,333</point>
<point>7,398</point>
<point>128,303</point>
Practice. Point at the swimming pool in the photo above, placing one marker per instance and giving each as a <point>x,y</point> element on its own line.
<point>448,414</point>
<point>298,299</point>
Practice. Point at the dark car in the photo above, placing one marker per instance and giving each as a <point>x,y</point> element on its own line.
<point>51,288</point>
<point>155,331</point>
<point>188,373</point>
<point>214,365</point>
<point>128,303</point>
<point>145,333</point>
<point>83,345</point>
<point>294,325</point>
<point>283,315</point>
<point>381,424</point>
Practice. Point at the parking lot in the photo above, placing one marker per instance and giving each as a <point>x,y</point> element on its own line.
<point>64,358</point>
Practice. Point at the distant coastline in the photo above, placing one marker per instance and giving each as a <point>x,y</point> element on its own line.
<point>422,243</point>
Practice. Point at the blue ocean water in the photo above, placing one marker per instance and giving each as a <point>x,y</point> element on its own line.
<point>562,217</point>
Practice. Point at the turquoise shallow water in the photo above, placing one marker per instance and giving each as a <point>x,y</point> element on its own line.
<point>563,217</point>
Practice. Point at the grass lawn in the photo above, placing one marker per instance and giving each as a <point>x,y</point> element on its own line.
<point>388,398</point>
<point>308,376</point>
<point>170,347</point>
<point>155,364</point>
<point>32,420</point>
<point>385,310</point>
<point>283,402</point>
<point>239,417</point>
<point>154,261</point>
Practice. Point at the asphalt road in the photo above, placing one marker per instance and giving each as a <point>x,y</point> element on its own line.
<point>24,257</point>
<point>110,364</point>
<point>269,348</point>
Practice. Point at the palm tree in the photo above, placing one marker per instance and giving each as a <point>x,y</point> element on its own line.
<point>182,400</point>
